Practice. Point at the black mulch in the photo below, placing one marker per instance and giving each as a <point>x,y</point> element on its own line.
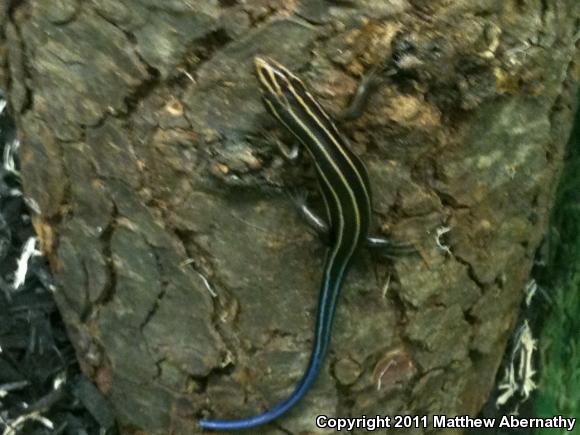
<point>42,390</point>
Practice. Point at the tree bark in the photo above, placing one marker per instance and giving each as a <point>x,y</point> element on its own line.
<point>144,146</point>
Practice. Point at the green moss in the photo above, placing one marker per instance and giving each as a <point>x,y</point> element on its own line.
<point>560,340</point>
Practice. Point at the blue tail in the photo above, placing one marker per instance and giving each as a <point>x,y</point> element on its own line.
<point>275,412</point>
<point>323,331</point>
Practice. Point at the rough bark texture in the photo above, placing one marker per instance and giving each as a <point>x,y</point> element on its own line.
<point>143,145</point>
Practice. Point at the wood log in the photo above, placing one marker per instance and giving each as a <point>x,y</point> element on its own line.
<point>185,277</point>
